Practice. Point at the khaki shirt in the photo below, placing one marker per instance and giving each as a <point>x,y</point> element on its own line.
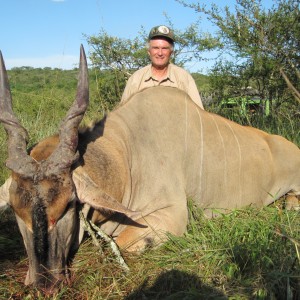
<point>176,77</point>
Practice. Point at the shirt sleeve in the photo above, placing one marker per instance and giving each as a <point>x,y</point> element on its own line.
<point>127,91</point>
<point>194,93</point>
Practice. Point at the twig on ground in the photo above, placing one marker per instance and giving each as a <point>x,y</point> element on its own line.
<point>113,247</point>
<point>88,227</point>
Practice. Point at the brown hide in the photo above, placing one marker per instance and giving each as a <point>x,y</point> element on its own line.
<point>44,148</point>
<point>159,148</point>
<point>152,165</point>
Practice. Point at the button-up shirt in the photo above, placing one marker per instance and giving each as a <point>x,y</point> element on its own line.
<point>176,77</point>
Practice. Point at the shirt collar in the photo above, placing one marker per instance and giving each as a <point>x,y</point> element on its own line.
<point>149,76</point>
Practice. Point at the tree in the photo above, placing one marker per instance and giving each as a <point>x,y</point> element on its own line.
<point>113,59</point>
<point>262,43</point>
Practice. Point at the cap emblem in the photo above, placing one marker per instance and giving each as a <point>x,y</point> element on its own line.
<point>163,29</point>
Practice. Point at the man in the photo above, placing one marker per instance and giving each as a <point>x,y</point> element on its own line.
<point>161,71</point>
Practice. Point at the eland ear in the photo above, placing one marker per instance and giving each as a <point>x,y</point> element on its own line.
<point>4,194</point>
<point>88,192</point>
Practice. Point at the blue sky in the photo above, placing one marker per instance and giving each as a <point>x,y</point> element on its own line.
<point>48,33</point>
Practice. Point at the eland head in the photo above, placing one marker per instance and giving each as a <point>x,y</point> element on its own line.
<point>42,192</point>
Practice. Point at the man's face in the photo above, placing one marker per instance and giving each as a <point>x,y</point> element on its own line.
<point>160,51</point>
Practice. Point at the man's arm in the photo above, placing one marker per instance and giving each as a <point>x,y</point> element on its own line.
<point>194,93</point>
<point>128,91</point>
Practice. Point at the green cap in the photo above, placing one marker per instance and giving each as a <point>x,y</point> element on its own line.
<point>161,31</point>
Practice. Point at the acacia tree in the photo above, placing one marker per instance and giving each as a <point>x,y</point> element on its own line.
<point>263,45</point>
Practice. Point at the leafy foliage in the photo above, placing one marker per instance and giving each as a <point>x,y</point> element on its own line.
<point>258,47</point>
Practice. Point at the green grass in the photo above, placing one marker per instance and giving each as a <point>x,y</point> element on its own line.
<point>236,256</point>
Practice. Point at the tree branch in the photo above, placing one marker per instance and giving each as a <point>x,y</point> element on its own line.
<point>290,85</point>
